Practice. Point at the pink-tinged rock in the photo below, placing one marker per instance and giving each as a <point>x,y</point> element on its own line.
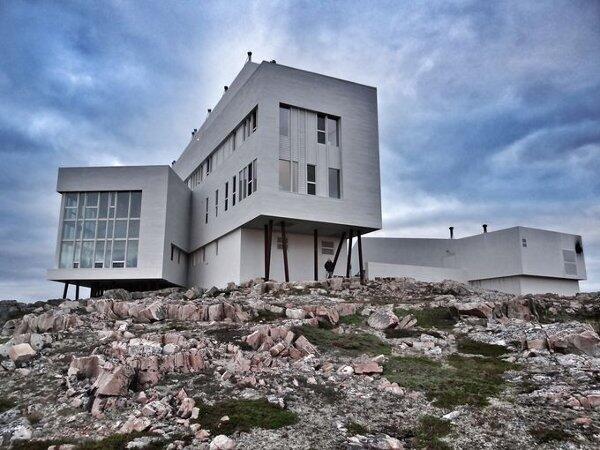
<point>407,322</point>
<point>346,309</point>
<point>594,400</point>
<point>583,421</point>
<point>367,368</point>
<point>330,314</point>
<point>21,353</point>
<point>482,310</point>
<point>86,366</point>
<point>382,319</point>
<point>215,312</point>
<point>305,346</point>
<point>50,321</point>
<point>295,353</point>
<point>518,308</point>
<point>289,337</point>
<point>336,284</point>
<point>277,349</point>
<point>536,344</point>
<point>137,424</point>
<point>295,313</point>
<point>121,309</point>
<point>113,382</point>
<point>186,407</point>
<point>255,339</point>
<point>222,442</point>
<point>97,408</point>
<point>152,313</point>
<point>235,313</point>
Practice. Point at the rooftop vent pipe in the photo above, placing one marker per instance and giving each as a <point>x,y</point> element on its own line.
<point>273,61</point>
<point>173,163</point>
<point>225,87</point>
<point>451,232</point>
<point>209,110</point>
<point>249,56</point>
<point>485,227</point>
<point>194,132</point>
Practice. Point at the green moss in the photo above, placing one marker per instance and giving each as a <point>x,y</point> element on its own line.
<point>355,428</point>
<point>429,432</point>
<point>465,380</point>
<point>351,344</point>
<point>395,333</point>
<point>6,404</point>
<point>353,319</point>
<point>471,347</point>
<point>443,318</point>
<point>544,435</point>
<point>243,416</point>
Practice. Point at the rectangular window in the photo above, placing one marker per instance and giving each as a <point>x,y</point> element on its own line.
<point>327,247</point>
<point>285,181</point>
<point>294,176</point>
<point>206,212</point>
<point>253,120</point>
<point>254,177</point>
<point>250,179</point>
<point>233,185</point>
<point>233,141</point>
<point>226,195</point>
<point>216,203</point>
<point>332,131</point>
<point>311,179</point>
<point>284,121</point>
<point>321,128</point>
<point>245,184</point>
<point>89,230</point>
<point>240,179</point>
<point>217,247</point>
<point>334,183</point>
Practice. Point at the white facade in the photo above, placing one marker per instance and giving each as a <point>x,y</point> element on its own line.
<point>283,147</point>
<point>516,260</point>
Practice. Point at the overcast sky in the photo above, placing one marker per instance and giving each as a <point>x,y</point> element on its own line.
<point>489,112</point>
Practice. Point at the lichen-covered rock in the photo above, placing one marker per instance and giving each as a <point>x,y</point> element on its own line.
<point>382,319</point>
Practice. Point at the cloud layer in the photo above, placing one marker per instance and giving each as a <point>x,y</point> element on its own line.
<point>489,111</point>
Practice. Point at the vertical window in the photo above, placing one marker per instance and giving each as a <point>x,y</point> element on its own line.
<point>327,247</point>
<point>203,254</point>
<point>284,121</point>
<point>250,179</point>
<point>206,211</point>
<point>334,183</point>
<point>245,183</point>
<point>253,120</point>
<point>294,176</point>
<point>332,131</point>
<point>285,182</point>
<point>217,247</point>
<point>321,128</point>
<point>241,181</point>
<point>233,184</point>
<point>311,179</point>
<point>226,195</point>
<point>254,177</point>
<point>233,141</point>
<point>216,203</point>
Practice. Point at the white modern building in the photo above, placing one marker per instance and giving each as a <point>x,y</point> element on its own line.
<point>282,172</point>
<point>516,260</point>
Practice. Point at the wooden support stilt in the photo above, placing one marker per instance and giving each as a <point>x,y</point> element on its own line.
<point>348,264</point>
<point>266,252</point>
<point>76,292</point>
<point>284,246</point>
<point>339,249</point>
<point>360,261</point>
<point>270,245</point>
<point>316,239</point>
<point>65,290</point>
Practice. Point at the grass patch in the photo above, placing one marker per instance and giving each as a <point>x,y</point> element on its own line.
<point>354,319</point>
<point>229,334</point>
<point>429,432</point>
<point>544,435</point>
<point>35,444</point>
<point>355,428</point>
<point>443,318</point>
<point>243,416</point>
<point>349,343</point>
<point>396,333</point>
<point>471,347</point>
<point>6,404</point>
<point>465,380</point>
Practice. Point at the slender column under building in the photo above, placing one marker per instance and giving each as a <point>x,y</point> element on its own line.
<point>76,292</point>
<point>266,251</point>
<point>284,247</point>
<point>339,249</point>
<point>360,261</point>
<point>316,259</point>
<point>348,263</point>
<point>65,290</point>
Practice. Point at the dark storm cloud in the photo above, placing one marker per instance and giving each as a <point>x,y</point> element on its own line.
<point>489,111</point>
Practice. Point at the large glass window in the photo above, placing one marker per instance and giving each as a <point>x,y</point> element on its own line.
<point>99,229</point>
<point>332,131</point>
<point>285,181</point>
<point>321,128</point>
